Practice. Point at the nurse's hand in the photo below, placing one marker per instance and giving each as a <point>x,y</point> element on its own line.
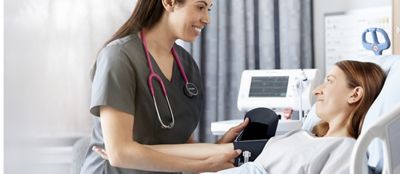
<point>223,161</point>
<point>233,132</point>
<point>100,151</point>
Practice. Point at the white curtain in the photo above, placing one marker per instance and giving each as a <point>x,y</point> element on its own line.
<point>50,46</point>
<point>248,34</point>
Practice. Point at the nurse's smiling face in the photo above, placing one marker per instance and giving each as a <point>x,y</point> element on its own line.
<point>333,95</point>
<point>187,20</point>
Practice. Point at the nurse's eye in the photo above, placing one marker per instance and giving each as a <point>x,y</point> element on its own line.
<point>201,8</point>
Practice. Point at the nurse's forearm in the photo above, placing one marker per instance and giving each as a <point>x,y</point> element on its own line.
<point>193,151</point>
<point>136,156</point>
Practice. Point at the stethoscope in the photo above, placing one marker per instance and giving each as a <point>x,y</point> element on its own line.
<point>189,88</point>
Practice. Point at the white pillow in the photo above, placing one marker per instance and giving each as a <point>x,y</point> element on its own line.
<point>311,120</point>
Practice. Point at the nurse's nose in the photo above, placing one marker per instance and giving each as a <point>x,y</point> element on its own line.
<point>206,18</point>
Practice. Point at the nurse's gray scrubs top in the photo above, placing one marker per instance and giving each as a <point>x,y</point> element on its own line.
<point>120,81</point>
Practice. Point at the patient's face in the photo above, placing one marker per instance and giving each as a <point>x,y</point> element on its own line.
<point>332,96</point>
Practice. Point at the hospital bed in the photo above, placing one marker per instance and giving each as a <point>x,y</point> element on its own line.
<point>380,135</point>
<point>387,129</point>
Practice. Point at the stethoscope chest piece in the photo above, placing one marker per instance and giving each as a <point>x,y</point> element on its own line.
<point>190,90</point>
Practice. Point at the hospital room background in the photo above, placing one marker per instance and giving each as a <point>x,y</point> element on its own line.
<point>50,45</point>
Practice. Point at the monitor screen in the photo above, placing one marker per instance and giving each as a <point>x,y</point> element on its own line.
<point>269,86</point>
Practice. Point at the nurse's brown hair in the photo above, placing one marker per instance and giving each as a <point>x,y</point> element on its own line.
<point>370,77</point>
<point>145,15</point>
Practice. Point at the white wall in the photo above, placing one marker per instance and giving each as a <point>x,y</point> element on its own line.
<point>328,6</point>
<point>49,48</point>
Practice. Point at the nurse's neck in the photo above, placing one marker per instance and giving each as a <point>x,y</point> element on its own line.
<point>159,40</point>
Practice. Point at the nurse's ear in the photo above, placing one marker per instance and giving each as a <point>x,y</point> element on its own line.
<point>357,94</point>
<point>169,5</point>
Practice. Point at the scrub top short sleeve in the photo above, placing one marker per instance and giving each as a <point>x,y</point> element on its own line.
<point>113,84</point>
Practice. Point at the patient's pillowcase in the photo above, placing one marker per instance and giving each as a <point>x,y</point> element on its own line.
<point>385,102</point>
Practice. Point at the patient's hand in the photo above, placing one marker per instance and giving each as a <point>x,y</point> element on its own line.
<point>233,132</point>
<point>100,151</point>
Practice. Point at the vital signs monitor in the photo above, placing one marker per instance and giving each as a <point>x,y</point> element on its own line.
<point>278,88</point>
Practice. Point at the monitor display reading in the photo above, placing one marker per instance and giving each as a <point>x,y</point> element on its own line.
<point>271,86</point>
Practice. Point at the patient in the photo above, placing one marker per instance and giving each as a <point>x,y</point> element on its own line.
<point>342,102</point>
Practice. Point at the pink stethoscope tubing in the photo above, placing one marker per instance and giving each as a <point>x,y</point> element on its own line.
<point>154,75</point>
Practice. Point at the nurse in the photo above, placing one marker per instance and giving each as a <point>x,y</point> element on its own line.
<point>147,95</point>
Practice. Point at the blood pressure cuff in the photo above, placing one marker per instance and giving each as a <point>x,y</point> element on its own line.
<point>262,126</point>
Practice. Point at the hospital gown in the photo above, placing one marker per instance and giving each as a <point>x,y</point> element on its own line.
<point>298,152</point>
